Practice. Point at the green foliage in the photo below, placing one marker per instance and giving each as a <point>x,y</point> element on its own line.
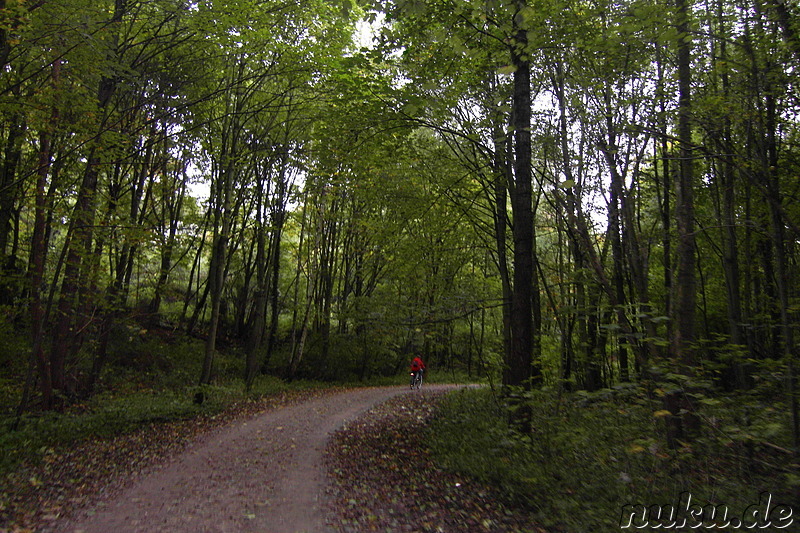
<point>105,415</point>
<point>14,355</point>
<point>124,410</point>
<point>590,454</point>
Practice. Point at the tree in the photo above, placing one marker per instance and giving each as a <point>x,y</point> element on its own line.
<point>685,301</point>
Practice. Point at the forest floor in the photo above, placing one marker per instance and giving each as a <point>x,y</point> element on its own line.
<point>314,461</point>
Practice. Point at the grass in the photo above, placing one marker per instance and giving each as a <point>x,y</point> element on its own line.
<point>591,454</point>
<point>115,412</point>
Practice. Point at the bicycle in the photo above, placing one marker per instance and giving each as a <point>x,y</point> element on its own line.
<point>416,380</point>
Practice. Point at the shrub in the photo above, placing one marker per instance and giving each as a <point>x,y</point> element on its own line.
<point>588,455</point>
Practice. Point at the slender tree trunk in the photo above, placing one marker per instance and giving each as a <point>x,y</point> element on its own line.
<point>279,219</point>
<point>39,365</point>
<point>116,296</point>
<point>684,333</point>
<point>216,275</point>
<point>327,236</point>
<point>296,350</point>
<point>224,217</point>
<point>787,324</point>
<point>9,189</point>
<point>503,176</point>
<point>664,189</point>
<point>174,208</point>
<point>200,299</point>
<point>615,234</point>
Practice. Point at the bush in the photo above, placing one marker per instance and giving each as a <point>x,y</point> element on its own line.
<point>103,416</point>
<point>588,455</point>
<point>121,411</point>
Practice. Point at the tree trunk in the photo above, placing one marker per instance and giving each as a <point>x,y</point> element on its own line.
<point>174,206</point>
<point>117,293</point>
<point>39,365</point>
<point>684,333</point>
<point>257,321</point>
<point>216,274</point>
<point>200,299</point>
<point>279,219</point>
<point>522,370</point>
<point>297,351</point>
<point>9,188</point>
<point>519,369</point>
<point>664,191</point>
<point>503,176</point>
<point>787,324</point>
<point>65,337</point>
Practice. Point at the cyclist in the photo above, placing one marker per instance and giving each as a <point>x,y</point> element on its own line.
<point>418,366</point>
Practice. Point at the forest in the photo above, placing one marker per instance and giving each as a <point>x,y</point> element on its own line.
<point>559,198</point>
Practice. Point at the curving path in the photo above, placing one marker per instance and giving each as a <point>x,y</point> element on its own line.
<point>263,475</point>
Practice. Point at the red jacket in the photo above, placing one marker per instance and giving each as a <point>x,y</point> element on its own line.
<point>417,364</point>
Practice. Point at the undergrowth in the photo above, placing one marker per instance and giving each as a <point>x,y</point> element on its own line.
<point>588,455</point>
<point>120,411</point>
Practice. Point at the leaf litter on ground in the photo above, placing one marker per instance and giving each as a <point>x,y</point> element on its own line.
<point>69,478</point>
<point>383,478</point>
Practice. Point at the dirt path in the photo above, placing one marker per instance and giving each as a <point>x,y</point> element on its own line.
<point>263,475</point>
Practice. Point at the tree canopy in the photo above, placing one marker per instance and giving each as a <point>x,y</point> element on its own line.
<point>555,193</point>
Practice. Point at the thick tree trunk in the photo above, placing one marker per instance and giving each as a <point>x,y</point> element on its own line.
<point>522,370</point>
<point>65,337</point>
<point>39,364</point>
<point>519,368</point>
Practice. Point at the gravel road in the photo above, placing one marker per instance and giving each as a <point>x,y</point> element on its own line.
<point>265,474</point>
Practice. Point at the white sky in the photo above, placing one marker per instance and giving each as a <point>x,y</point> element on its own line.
<point>365,31</point>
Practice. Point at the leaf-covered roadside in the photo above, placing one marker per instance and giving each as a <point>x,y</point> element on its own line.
<point>383,478</point>
<point>69,477</point>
